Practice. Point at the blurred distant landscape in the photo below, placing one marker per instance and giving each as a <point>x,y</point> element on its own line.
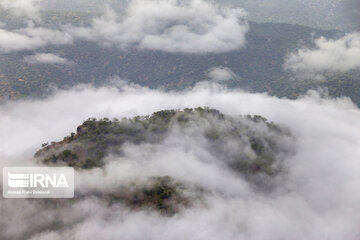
<point>259,66</point>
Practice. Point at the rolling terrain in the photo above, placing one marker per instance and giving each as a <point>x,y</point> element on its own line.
<point>258,66</point>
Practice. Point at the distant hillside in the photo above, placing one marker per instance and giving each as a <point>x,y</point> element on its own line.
<point>324,14</point>
<point>259,64</point>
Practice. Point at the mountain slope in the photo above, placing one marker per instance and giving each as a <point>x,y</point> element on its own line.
<point>258,65</point>
<point>258,143</point>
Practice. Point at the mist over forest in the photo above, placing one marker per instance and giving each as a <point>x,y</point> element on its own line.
<point>188,119</point>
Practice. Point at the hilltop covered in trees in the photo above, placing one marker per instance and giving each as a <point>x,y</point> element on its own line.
<point>256,142</point>
<point>249,146</point>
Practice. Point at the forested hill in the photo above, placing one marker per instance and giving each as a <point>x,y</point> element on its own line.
<point>259,146</point>
<point>249,147</point>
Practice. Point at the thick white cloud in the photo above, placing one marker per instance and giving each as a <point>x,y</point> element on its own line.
<point>31,38</point>
<point>46,58</point>
<point>317,197</point>
<point>27,8</point>
<point>329,55</point>
<point>193,26</point>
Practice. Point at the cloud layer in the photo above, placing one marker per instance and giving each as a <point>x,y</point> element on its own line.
<point>193,26</point>
<point>46,58</point>
<point>316,197</point>
<point>221,74</point>
<point>329,55</point>
<point>22,8</point>
<point>31,38</point>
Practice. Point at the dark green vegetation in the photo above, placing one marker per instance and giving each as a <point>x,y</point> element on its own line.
<point>259,64</point>
<point>160,193</point>
<point>250,145</point>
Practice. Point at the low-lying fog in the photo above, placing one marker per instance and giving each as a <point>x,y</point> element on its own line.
<point>316,197</point>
